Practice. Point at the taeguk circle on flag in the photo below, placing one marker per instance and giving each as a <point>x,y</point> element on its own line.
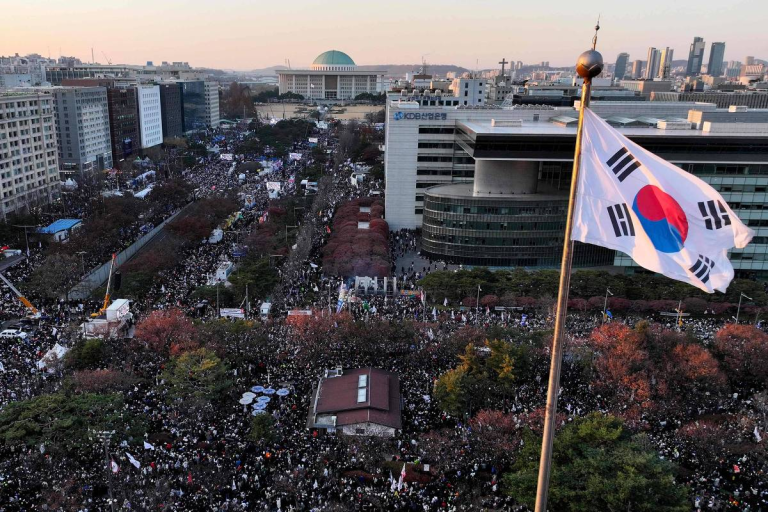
<point>662,218</point>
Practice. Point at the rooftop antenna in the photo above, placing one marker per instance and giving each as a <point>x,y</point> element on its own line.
<point>594,39</point>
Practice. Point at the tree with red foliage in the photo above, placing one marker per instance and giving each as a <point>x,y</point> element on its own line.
<point>101,381</point>
<point>490,301</point>
<point>494,436</point>
<point>743,349</point>
<point>167,332</point>
<point>651,369</point>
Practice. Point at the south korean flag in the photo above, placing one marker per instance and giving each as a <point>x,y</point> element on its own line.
<point>666,219</point>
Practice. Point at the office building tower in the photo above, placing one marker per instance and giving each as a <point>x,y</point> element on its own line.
<point>716,54</point>
<point>652,65</point>
<point>29,170</point>
<point>482,194</point>
<point>170,110</point>
<point>695,57</point>
<point>665,63</point>
<point>212,117</point>
<point>82,129</point>
<point>150,120</point>
<point>620,69</point>
<point>637,69</point>
<point>123,114</point>
<point>749,61</point>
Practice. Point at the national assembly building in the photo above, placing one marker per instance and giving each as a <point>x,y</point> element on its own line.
<point>332,76</point>
<point>489,186</point>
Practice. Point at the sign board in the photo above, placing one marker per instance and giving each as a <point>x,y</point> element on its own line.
<point>312,140</point>
<point>300,312</point>
<point>294,156</point>
<point>226,156</point>
<point>231,313</point>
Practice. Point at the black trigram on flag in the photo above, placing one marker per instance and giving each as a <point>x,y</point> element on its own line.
<point>714,213</point>
<point>702,267</point>
<point>622,163</point>
<point>620,220</point>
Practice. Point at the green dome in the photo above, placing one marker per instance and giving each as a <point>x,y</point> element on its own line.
<point>333,58</point>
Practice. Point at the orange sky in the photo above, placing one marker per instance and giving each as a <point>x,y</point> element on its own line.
<point>248,34</point>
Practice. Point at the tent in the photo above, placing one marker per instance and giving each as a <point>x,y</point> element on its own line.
<point>50,357</point>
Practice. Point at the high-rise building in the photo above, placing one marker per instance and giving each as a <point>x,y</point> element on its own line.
<point>621,66</point>
<point>749,60</point>
<point>199,104</point>
<point>212,116</point>
<point>123,114</point>
<point>150,119</point>
<point>170,110</point>
<point>695,57</point>
<point>82,129</point>
<point>715,64</point>
<point>637,69</point>
<point>29,170</point>
<point>665,63</point>
<point>652,65</point>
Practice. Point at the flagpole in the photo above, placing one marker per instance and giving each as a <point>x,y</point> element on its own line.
<point>589,65</point>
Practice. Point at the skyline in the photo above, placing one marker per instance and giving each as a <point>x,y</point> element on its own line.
<point>247,36</point>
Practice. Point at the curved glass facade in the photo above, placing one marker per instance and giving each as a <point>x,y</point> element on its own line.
<point>501,232</point>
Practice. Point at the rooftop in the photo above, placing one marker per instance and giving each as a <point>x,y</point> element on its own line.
<point>59,225</point>
<point>333,58</point>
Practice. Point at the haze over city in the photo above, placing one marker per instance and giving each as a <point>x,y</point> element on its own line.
<point>242,34</point>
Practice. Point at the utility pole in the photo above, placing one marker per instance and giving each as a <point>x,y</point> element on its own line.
<point>217,300</point>
<point>477,305</point>
<point>82,259</point>
<point>105,436</point>
<point>247,303</point>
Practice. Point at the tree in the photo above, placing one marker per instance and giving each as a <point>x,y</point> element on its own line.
<point>62,422</point>
<point>262,428</point>
<point>198,374</point>
<point>56,276</point>
<point>597,465</point>
<point>494,437</point>
<point>451,391</point>
<point>743,350</point>
<point>100,381</point>
<point>167,332</point>
<point>85,354</point>
<point>257,275</point>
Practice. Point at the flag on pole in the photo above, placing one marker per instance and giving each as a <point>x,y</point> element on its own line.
<point>148,446</point>
<point>666,219</point>
<point>133,461</point>
<point>758,437</point>
<point>402,479</point>
<point>114,466</point>
<point>445,302</point>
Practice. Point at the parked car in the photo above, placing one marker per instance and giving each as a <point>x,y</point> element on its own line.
<point>13,333</point>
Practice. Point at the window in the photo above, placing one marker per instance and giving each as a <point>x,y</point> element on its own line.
<point>362,394</point>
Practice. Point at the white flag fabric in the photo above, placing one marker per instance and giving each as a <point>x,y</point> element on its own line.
<point>664,218</point>
<point>114,466</point>
<point>133,461</point>
<point>148,446</point>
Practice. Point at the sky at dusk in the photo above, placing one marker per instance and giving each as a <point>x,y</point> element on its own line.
<point>248,34</point>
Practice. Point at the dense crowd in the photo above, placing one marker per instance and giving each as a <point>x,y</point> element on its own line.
<point>204,459</point>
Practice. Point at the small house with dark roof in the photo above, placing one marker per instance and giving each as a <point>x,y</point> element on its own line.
<point>357,402</point>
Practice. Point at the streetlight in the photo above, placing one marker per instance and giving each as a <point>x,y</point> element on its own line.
<point>105,436</point>
<point>605,303</point>
<point>26,238</point>
<point>738,310</point>
<point>82,259</point>
<point>477,305</point>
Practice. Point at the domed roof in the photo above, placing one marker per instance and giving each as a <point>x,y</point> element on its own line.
<point>333,58</point>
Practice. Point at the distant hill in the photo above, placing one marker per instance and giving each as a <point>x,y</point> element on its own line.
<point>402,69</point>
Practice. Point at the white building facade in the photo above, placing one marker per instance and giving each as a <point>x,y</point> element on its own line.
<point>332,76</point>
<point>29,170</point>
<point>150,115</point>
<point>212,114</point>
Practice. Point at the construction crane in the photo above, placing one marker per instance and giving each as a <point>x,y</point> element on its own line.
<point>109,283</point>
<point>22,299</point>
<point>105,56</point>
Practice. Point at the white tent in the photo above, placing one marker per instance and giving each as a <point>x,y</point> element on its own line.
<point>50,357</point>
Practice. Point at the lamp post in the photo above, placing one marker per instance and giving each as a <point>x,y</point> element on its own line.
<point>477,305</point>
<point>26,238</point>
<point>105,436</point>
<point>738,309</point>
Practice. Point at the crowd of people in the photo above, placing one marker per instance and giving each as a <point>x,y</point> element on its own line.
<point>204,458</point>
